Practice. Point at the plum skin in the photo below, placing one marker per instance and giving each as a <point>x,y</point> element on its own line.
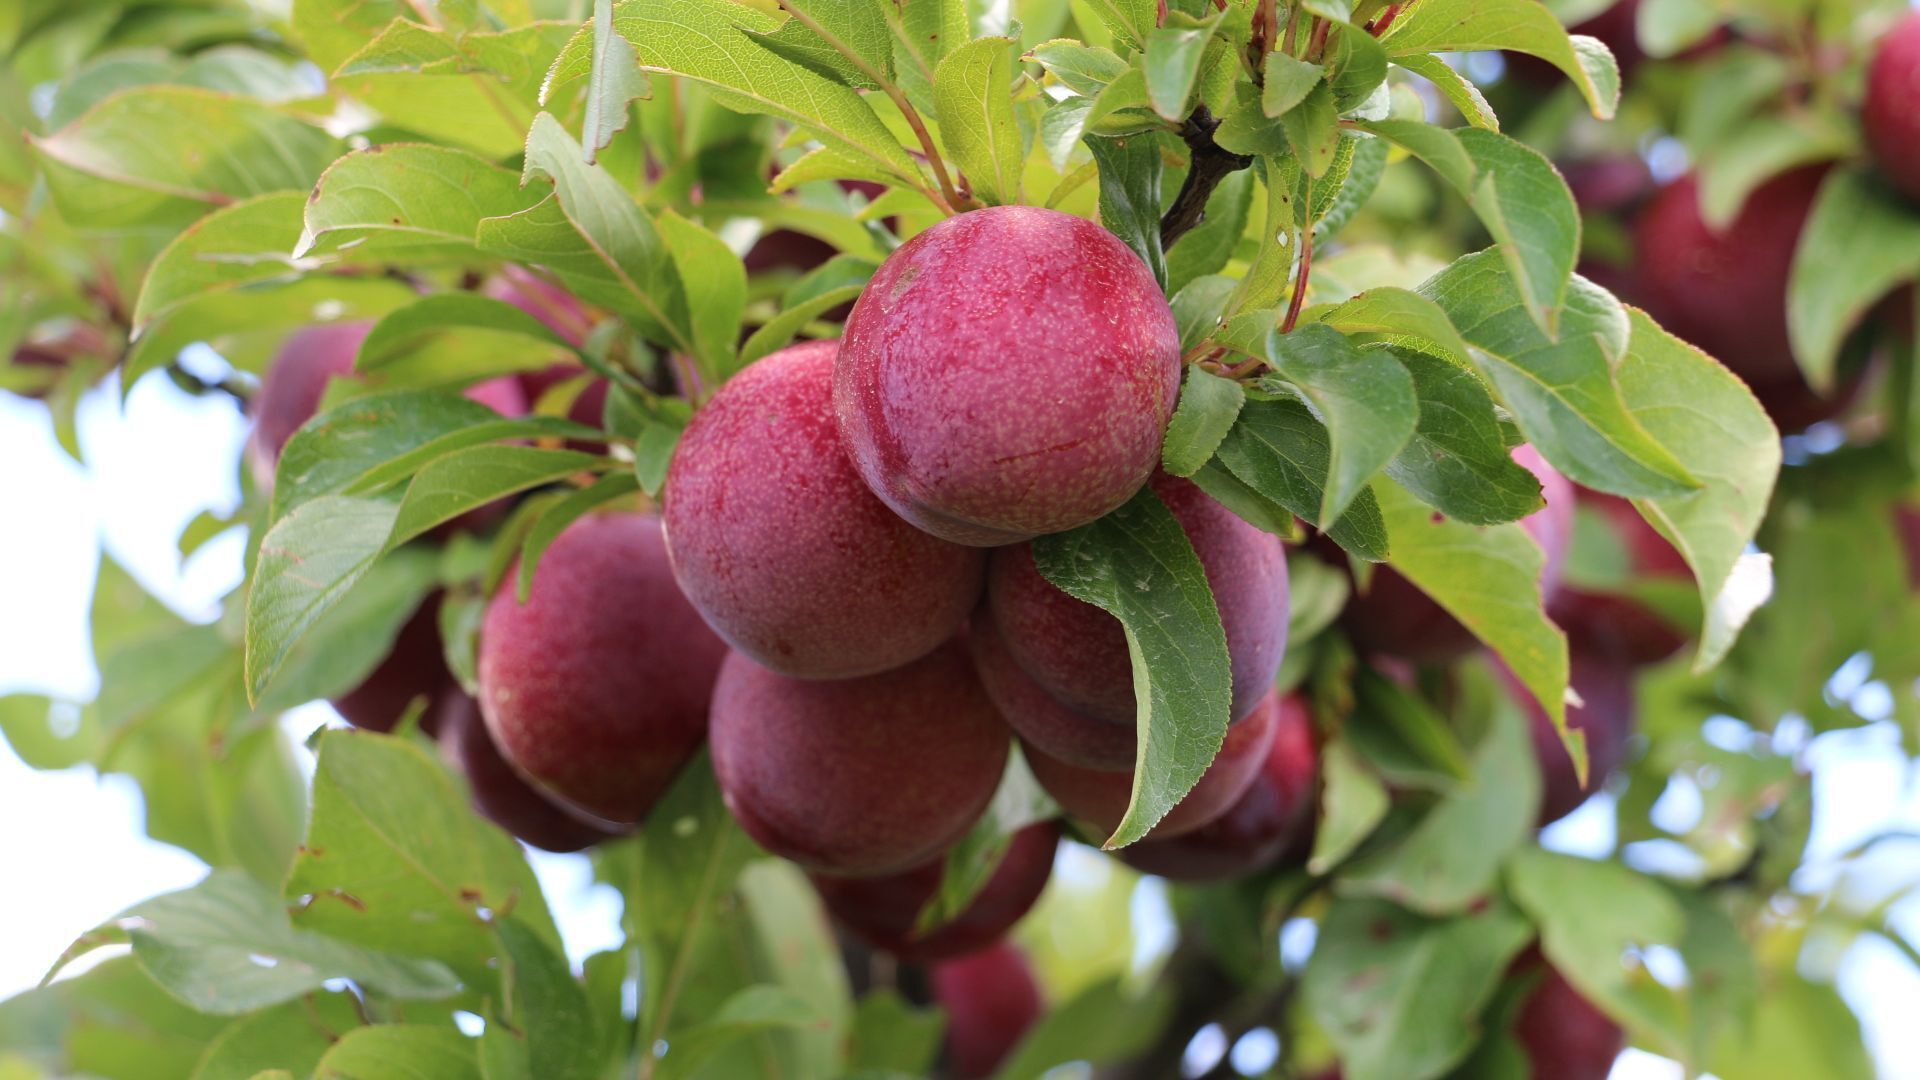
<point>597,688</point>
<point>781,546</point>
<point>1273,820</point>
<point>883,911</point>
<point>1042,721</point>
<point>991,999</point>
<point>1007,373</point>
<point>501,795</point>
<point>1563,1034</point>
<point>1890,114</point>
<point>1078,652</point>
<point>1617,626</point>
<point>415,667</point>
<point>858,777</point>
<point>1605,685</point>
<point>1100,797</point>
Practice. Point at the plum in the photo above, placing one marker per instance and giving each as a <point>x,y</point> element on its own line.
<point>1564,1036</point>
<point>596,689</point>
<point>1605,686</point>
<point>883,911</point>
<point>1008,372</point>
<point>1078,653</point>
<point>415,669</point>
<point>1272,820</point>
<point>780,545</point>
<point>864,776</point>
<point>991,999</point>
<point>1100,798</point>
<point>1072,737</point>
<point>1614,625</point>
<point>1891,112</point>
<point>501,795</point>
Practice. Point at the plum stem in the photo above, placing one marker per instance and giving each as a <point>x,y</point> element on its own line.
<point>1300,281</point>
<point>1210,164</point>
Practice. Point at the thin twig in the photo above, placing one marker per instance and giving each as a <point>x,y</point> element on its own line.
<point>1209,164</point>
<point>1300,281</point>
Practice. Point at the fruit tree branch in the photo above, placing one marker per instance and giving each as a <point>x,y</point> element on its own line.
<point>1210,165</point>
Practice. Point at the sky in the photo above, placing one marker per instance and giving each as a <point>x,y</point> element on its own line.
<point>72,846</point>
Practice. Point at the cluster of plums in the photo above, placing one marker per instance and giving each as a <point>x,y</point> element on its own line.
<point>1724,289</point>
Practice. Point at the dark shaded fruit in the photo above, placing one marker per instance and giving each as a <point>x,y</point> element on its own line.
<point>1391,616</point>
<point>883,911</point>
<point>1008,372</point>
<point>1565,1037</point>
<point>1605,685</point>
<point>1618,626</point>
<point>782,547</point>
<point>1078,653</point>
<point>1039,718</point>
<point>1100,798</point>
<point>1726,292</point>
<point>596,688</point>
<point>415,669</point>
<point>991,999</point>
<point>1891,112</point>
<point>501,795</point>
<point>1273,820</point>
<point>858,776</point>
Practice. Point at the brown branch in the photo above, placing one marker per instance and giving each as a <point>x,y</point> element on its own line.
<point>1209,165</point>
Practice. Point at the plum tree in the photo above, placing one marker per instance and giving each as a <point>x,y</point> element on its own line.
<point>294,385</point>
<point>1615,625</point>
<point>596,689</point>
<point>501,795</point>
<point>1272,820</point>
<point>1726,290</point>
<point>782,547</point>
<point>1391,616</point>
<point>1008,372</point>
<point>1891,112</point>
<point>1100,797</point>
<point>991,999</point>
<point>1606,716</point>
<point>1564,1036</point>
<point>884,911</point>
<point>1078,652</point>
<point>873,775</point>
<point>1042,721</point>
<point>414,669</point>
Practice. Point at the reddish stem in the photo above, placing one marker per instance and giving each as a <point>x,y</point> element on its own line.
<point>1385,21</point>
<point>1300,282</point>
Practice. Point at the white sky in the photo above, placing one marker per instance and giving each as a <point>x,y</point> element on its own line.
<point>71,844</point>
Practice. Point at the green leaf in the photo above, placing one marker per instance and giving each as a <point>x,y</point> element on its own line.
<point>1280,451</point>
<point>1457,461</point>
<point>891,1037</point>
<point>699,40</point>
<point>46,734</point>
<point>1130,195</point>
<point>1400,995</point>
<point>1460,93</point>
<point>1452,858</point>
<point>752,1010</point>
<point>716,290</point>
<point>1403,317</point>
<point>293,1036</point>
<point>1353,802</point>
<point>1137,565</point>
<point>924,32</point>
<point>166,154</point>
<point>396,861</point>
<point>1563,393</point>
<point>226,946</point>
<point>1209,404</point>
<point>1172,64</point>
<point>1406,739</point>
<point>1249,505</point>
<point>439,340</point>
<point>1065,122</point>
<point>409,202</point>
<point>1084,70</point>
<point>1197,308</point>
<point>1801,1028</point>
<point>1356,62</point>
<point>970,863</point>
<point>616,82</point>
<point>1857,224</point>
<point>1312,129</point>
<point>1109,1022</point>
<point>1713,425</point>
<point>233,246</point>
<point>779,331</point>
<point>346,645</point>
<point>1759,150</point>
<point>1130,20</point>
<point>1288,81</point>
<point>551,1027</point>
<point>853,44</point>
<point>973,97</point>
<point>1489,579</point>
<point>1517,195</point>
<point>1590,914</point>
<point>1435,26</point>
<point>247,324</point>
<point>1365,399</point>
<point>386,1051</point>
<point>601,244</point>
